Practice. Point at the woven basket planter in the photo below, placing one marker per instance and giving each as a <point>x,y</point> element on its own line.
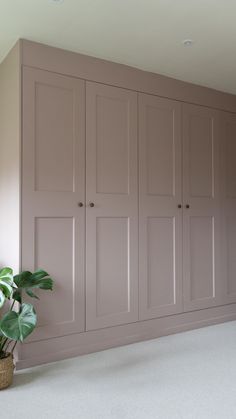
<point>6,371</point>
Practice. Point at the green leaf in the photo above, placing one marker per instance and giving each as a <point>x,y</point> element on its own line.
<point>39,279</point>
<point>17,326</point>
<point>6,274</point>
<point>6,282</point>
<point>39,274</point>
<point>21,278</point>
<point>17,295</point>
<point>6,288</point>
<point>31,294</point>
<point>2,298</point>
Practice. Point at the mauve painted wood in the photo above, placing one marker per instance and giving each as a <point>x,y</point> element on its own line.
<point>93,69</point>
<point>112,224</point>
<point>53,226</point>
<point>160,219</point>
<point>228,205</point>
<point>52,220</point>
<point>51,350</point>
<point>201,221</point>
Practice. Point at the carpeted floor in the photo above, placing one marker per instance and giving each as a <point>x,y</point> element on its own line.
<point>190,375</point>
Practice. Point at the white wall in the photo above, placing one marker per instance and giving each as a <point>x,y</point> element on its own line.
<point>10,159</point>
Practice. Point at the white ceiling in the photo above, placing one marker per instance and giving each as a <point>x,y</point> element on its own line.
<point>146,34</point>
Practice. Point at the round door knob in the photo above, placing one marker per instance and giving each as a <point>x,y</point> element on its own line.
<point>179,206</point>
<point>187,206</point>
<point>91,204</point>
<point>80,204</point>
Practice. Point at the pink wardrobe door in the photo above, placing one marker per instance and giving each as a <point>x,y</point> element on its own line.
<point>202,256</point>
<point>53,225</point>
<point>228,204</point>
<point>160,211</point>
<point>112,206</point>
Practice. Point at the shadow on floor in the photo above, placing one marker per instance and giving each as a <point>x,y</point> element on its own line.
<point>27,377</point>
<point>115,362</point>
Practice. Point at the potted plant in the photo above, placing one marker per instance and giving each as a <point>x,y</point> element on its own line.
<point>19,320</point>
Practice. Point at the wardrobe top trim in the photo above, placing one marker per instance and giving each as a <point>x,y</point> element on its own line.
<point>93,69</point>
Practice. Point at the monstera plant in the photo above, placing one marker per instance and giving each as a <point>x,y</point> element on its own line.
<point>19,319</point>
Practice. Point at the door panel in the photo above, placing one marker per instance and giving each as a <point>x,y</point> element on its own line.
<point>160,225</point>
<point>160,292</point>
<point>202,257</point>
<point>53,226</point>
<point>228,205</point>
<point>56,255</point>
<point>160,151</point>
<point>112,224</point>
<point>231,255</point>
<point>201,226</point>
<point>54,161</point>
<point>230,153</point>
<point>201,152</point>
<point>112,274</point>
<point>112,146</point>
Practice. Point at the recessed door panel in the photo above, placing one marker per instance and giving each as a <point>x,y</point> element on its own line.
<point>160,219</point>
<point>112,261</point>
<point>160,151</point>
<point>112,220</point>
<point>201,156</point>
<point>201,215</point>
<point>57,257</point>
<point>161,261</point>
<point>230,147</point>
<point>231,254</point>
<point>54,137</point>
<point>202,256</point>
<point>112,145</point>
<point>53,225</point>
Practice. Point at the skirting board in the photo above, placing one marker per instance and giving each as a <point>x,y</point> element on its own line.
<point>51,350</point>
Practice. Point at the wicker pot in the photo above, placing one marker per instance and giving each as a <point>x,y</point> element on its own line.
<point>6,371</point>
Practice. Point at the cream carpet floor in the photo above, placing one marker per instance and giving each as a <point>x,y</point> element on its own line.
<point>190,375</point>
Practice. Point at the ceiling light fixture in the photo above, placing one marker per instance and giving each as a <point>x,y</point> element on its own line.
<point>188,42</point>
<point>57,1</point>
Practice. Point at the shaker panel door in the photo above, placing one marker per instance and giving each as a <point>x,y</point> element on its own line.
<point>53,225</point>
<point>228,205</point>
<point>201,221</point>
<point>112,220</point>
<point>160,217</point>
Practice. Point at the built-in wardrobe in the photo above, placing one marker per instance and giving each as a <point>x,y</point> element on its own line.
<point>124,187</point>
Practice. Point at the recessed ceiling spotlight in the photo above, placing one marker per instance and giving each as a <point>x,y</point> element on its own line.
<point>188,42</point>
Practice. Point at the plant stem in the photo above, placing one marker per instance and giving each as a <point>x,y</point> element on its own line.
<point>13,302</point>
<point>4,342</point>
<point>7,343</point>
<point>14,347</point>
